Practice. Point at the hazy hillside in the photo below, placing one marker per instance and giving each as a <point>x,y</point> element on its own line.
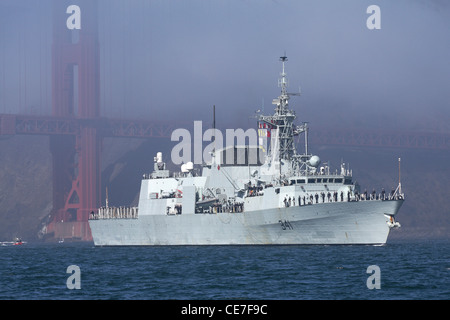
<point>26,181</point>
<point>26,185</point>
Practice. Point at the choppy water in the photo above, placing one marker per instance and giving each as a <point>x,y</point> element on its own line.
<point>408,270</point>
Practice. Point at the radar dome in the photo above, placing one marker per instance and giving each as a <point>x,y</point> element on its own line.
<point>314,161</point>
<point>189,166</point>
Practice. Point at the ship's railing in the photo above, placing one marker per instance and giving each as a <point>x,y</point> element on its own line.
<point>313,198</point>
<point>378,196</point>
<point>227,207</point>
<point>148,176</point>
<point>219,207</point>
<point>115,213</point>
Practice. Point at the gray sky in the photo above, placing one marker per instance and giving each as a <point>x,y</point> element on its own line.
<point>175,59</point>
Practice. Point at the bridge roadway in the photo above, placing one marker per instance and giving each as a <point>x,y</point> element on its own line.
<point>11,124</point>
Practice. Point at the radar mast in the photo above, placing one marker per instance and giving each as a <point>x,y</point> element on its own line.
<point>282,124</point>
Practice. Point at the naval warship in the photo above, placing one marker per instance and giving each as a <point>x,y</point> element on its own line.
<point>264,194</point>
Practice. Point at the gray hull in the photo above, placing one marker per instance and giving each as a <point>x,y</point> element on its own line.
<point>362,222</point>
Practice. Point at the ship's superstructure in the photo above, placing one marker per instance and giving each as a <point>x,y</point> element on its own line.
<point>261,194</point>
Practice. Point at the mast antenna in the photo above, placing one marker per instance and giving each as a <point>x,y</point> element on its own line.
<point>214,117</point>
<point>214,127</point>
<point>399,176</point>
<point>283,81</point>
<point>107,202</point>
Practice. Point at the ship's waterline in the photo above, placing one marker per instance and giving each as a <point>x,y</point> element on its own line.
<point>362,222</point>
